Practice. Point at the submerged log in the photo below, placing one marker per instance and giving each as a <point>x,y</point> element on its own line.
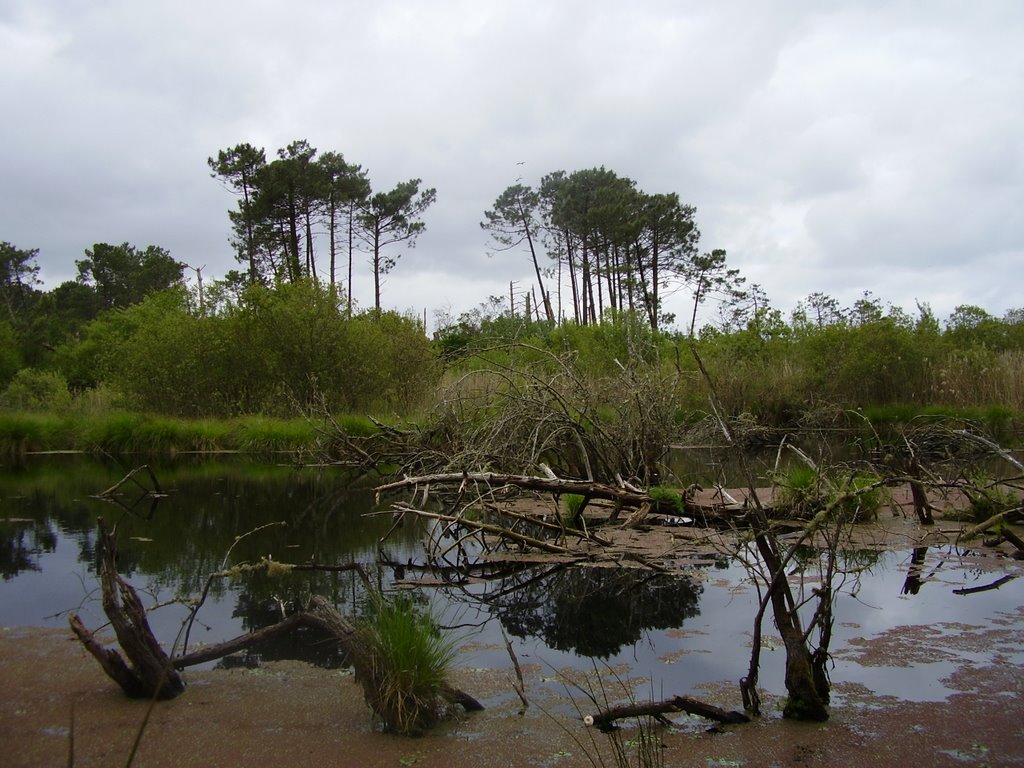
<point>605,720</point>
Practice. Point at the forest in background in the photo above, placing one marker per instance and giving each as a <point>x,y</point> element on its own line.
<point>281,337</point>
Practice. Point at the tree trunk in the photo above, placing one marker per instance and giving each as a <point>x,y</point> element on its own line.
<point>150,673</point>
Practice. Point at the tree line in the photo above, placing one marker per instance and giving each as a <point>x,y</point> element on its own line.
<point>604,255</point>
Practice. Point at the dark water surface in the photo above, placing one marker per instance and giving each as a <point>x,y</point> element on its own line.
<point>679,633</point>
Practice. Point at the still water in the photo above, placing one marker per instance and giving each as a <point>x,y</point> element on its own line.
<point>676,633</point>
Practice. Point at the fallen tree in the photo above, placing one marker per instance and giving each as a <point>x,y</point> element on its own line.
<point>147,671</point>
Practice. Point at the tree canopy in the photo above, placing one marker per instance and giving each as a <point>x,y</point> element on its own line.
<point>122,275</point>
<point>617,248</point>
<point>289,206</point>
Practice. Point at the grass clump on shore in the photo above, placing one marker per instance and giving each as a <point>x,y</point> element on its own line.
<point>409,662</point>
<point>800,490</point>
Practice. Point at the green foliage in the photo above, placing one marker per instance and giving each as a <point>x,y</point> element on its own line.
<point>21,432</point>
<point>410,661</point>
<point>666,500</point>
<point>10,359</point>
<point>257,434</point>
<point>19,274</point>
<point>32,390</point>
<point>572,505</point>
<point>988,498</point>
<point>95,429</point>
<point>860,497</point>
<point>803,491</point>
<point>122,275</point>
<point>799,490</point>
<point>276,352</point>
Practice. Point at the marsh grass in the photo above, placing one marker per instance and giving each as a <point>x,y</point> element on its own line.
<point>122,432</point>
<point>804,491</point>
<point>259,434</point>
<point>22,432</point>
<point>988,497</point>
<point>862,495</point>
<point>410,660</point>
<point>667,500</point>
<point>799,490</point>
<point>356,425</point>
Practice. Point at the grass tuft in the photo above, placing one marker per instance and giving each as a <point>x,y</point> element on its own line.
<point>409,661</point>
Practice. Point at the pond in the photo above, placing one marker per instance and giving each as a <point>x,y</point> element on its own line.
<point>677,633</point>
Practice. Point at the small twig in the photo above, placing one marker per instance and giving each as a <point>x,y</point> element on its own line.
<point>519,688</point>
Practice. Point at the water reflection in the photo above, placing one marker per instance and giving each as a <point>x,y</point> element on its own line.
<point>22,543</point>
<point>592,612</point>
<point>557,615</point>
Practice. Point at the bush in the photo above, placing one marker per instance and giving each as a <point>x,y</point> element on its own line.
<point>32,390</point>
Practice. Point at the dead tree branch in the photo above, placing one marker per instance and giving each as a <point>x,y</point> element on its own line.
<point>605,719</point>
<point>150,672</point>
<point>584,488</point>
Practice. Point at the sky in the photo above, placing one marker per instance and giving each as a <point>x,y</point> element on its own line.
<point>836,147</point>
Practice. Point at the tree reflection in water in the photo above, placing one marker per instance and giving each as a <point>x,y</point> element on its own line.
<point>593,612</point>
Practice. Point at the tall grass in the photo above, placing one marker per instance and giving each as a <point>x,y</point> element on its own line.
<point>120,432</point>
<point>22,432</point>
<point>639,744</point>
<point>409,661</point>
<point>259,434</point>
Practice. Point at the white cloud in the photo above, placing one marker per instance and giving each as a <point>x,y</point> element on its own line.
<point>840,148</point>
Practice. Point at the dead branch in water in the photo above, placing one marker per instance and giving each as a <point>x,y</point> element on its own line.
<point>497,530</point>
<point>156,491</point>
<point>605,719</point>
<point>548,484</point>
<point>152,674</point>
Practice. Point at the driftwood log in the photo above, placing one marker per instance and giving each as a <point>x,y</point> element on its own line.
<point>605,720</point>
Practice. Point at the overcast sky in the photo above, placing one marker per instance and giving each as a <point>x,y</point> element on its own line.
<point>838,147</point>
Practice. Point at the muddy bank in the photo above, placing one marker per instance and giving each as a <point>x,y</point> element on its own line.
<point>293,714</point>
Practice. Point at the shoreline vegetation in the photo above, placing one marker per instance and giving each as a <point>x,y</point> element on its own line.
<point>24,434</point>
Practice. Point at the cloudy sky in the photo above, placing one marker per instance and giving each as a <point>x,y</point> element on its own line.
<point>838,147</point>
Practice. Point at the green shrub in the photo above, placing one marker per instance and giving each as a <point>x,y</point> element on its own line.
<point>32,390</point>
